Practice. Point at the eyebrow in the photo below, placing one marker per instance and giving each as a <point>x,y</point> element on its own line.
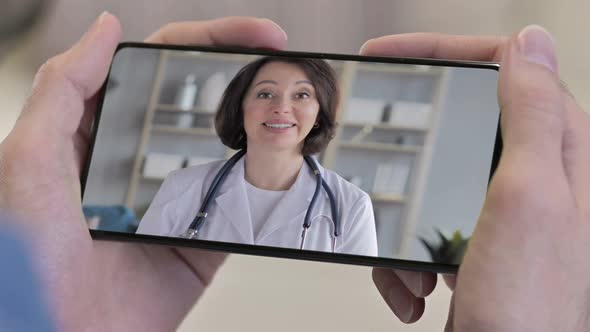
<point>275,82</point>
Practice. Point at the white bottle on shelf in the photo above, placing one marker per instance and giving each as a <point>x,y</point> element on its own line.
<point>212,91</point>
<point>185,100</point>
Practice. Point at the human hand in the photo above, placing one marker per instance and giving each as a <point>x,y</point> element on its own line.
<point>101,285</point>
<point>526,267</point>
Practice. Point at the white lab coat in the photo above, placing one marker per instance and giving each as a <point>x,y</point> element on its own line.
<point>180,196</point>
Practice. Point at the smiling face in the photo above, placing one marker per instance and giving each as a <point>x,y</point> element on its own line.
<point>280,108</point>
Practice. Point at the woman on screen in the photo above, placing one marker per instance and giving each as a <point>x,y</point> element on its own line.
<point>277,112</point>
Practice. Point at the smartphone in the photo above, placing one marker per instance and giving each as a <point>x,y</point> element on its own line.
<point>351,159</point>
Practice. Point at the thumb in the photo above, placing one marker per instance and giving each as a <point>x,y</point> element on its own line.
<point>531,99</point>
<point>67,81</point>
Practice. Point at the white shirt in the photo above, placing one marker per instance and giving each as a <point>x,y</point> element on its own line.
<point>261,203</point>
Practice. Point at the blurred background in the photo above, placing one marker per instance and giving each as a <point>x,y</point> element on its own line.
<point>264,294</point>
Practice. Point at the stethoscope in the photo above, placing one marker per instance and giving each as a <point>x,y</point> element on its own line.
<point>199,220</point>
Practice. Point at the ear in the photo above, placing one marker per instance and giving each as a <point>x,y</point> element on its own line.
<point>318,119</point>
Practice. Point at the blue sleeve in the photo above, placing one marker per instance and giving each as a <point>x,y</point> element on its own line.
<point>22,307</point>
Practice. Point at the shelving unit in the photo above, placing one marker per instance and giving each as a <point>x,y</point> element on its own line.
<point>159,129</point>
<point>176,109</point>
<point>184,131</point>
<point>151,179</point>
<point>356,150</point>
<point>223,57</point>
<point>378,147</point>
<point>387,198</point>
<point>370,143</point>
<point>383,126</point>
<point>415,70</point>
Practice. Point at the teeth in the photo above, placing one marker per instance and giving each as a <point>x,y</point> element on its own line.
<point>279,125</point>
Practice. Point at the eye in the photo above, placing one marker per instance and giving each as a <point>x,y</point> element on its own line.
<point>302,95</point>
<point>264,95</point>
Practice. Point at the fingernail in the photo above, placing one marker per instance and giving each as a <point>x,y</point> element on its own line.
<point>400,299</point>
<point>361,50</point>
<point>278,27</point>
<point>98,21</point>
<point>537,46</point>
<point>94,26</point>
<point>102,16</point>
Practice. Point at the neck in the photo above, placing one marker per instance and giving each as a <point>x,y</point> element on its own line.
<point>272,170</point>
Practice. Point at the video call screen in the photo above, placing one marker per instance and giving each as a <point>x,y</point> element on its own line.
<point>404,152</point>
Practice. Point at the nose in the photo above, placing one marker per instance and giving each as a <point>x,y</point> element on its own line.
<point>282,105</point>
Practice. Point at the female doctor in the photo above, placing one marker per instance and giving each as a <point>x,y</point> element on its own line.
<point>278,110</point>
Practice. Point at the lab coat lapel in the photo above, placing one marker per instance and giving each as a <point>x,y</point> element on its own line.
<point>293,206</point>
<point>232,200</point>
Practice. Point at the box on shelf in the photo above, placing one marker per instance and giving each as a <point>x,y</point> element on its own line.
<point>185,97</point>
<point>392,177</point>
<point>159,165</point>
<point>185,120</point>
<point>411,114</point>
<point>364,110</point>
<point>212,91</point>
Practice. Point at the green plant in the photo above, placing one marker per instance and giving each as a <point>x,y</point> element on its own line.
<point>447,250</point>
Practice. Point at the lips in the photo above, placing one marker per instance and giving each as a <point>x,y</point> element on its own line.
<point>279,125</point>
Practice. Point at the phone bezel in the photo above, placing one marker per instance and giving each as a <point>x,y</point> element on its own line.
<point>268,251</point>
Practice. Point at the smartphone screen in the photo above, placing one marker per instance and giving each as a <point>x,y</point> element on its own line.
<point>360,160</point>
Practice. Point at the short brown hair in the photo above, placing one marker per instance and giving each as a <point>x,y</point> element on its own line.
<point>229,119</point>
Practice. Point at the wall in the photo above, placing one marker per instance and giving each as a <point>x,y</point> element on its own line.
<point>458,177</point>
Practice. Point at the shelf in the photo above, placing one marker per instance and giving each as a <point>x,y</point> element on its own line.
<point>375,197</point>
<point>379,147</point>
<point>151,179</point>
<point>183,131</point>
<point>387,198</point>
<point>394,68</point>
<point>336,64</point>
<point>176,109</point>
<point>214,56</point>
<point>384,126</point>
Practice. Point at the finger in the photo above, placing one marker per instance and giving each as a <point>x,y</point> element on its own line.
<point>450,280</point>
<point>532,104</point>
<point>435,45</point>
<point>65,82</point>
<point>83,134</point>
<point>449,324</point>
<point>576,156</point>
<point>202,263</point>
<point>235,31</point>
<point>421,284</point>
<point>400,300</point>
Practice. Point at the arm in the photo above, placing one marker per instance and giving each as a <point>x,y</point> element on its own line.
<point>23,305</point>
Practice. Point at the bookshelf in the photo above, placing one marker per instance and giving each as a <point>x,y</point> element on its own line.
<point>361,144</point>
<point>356,150</point>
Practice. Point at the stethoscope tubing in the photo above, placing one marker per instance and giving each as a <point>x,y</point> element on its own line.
<point>199,219</point>
<point>197,222</point>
